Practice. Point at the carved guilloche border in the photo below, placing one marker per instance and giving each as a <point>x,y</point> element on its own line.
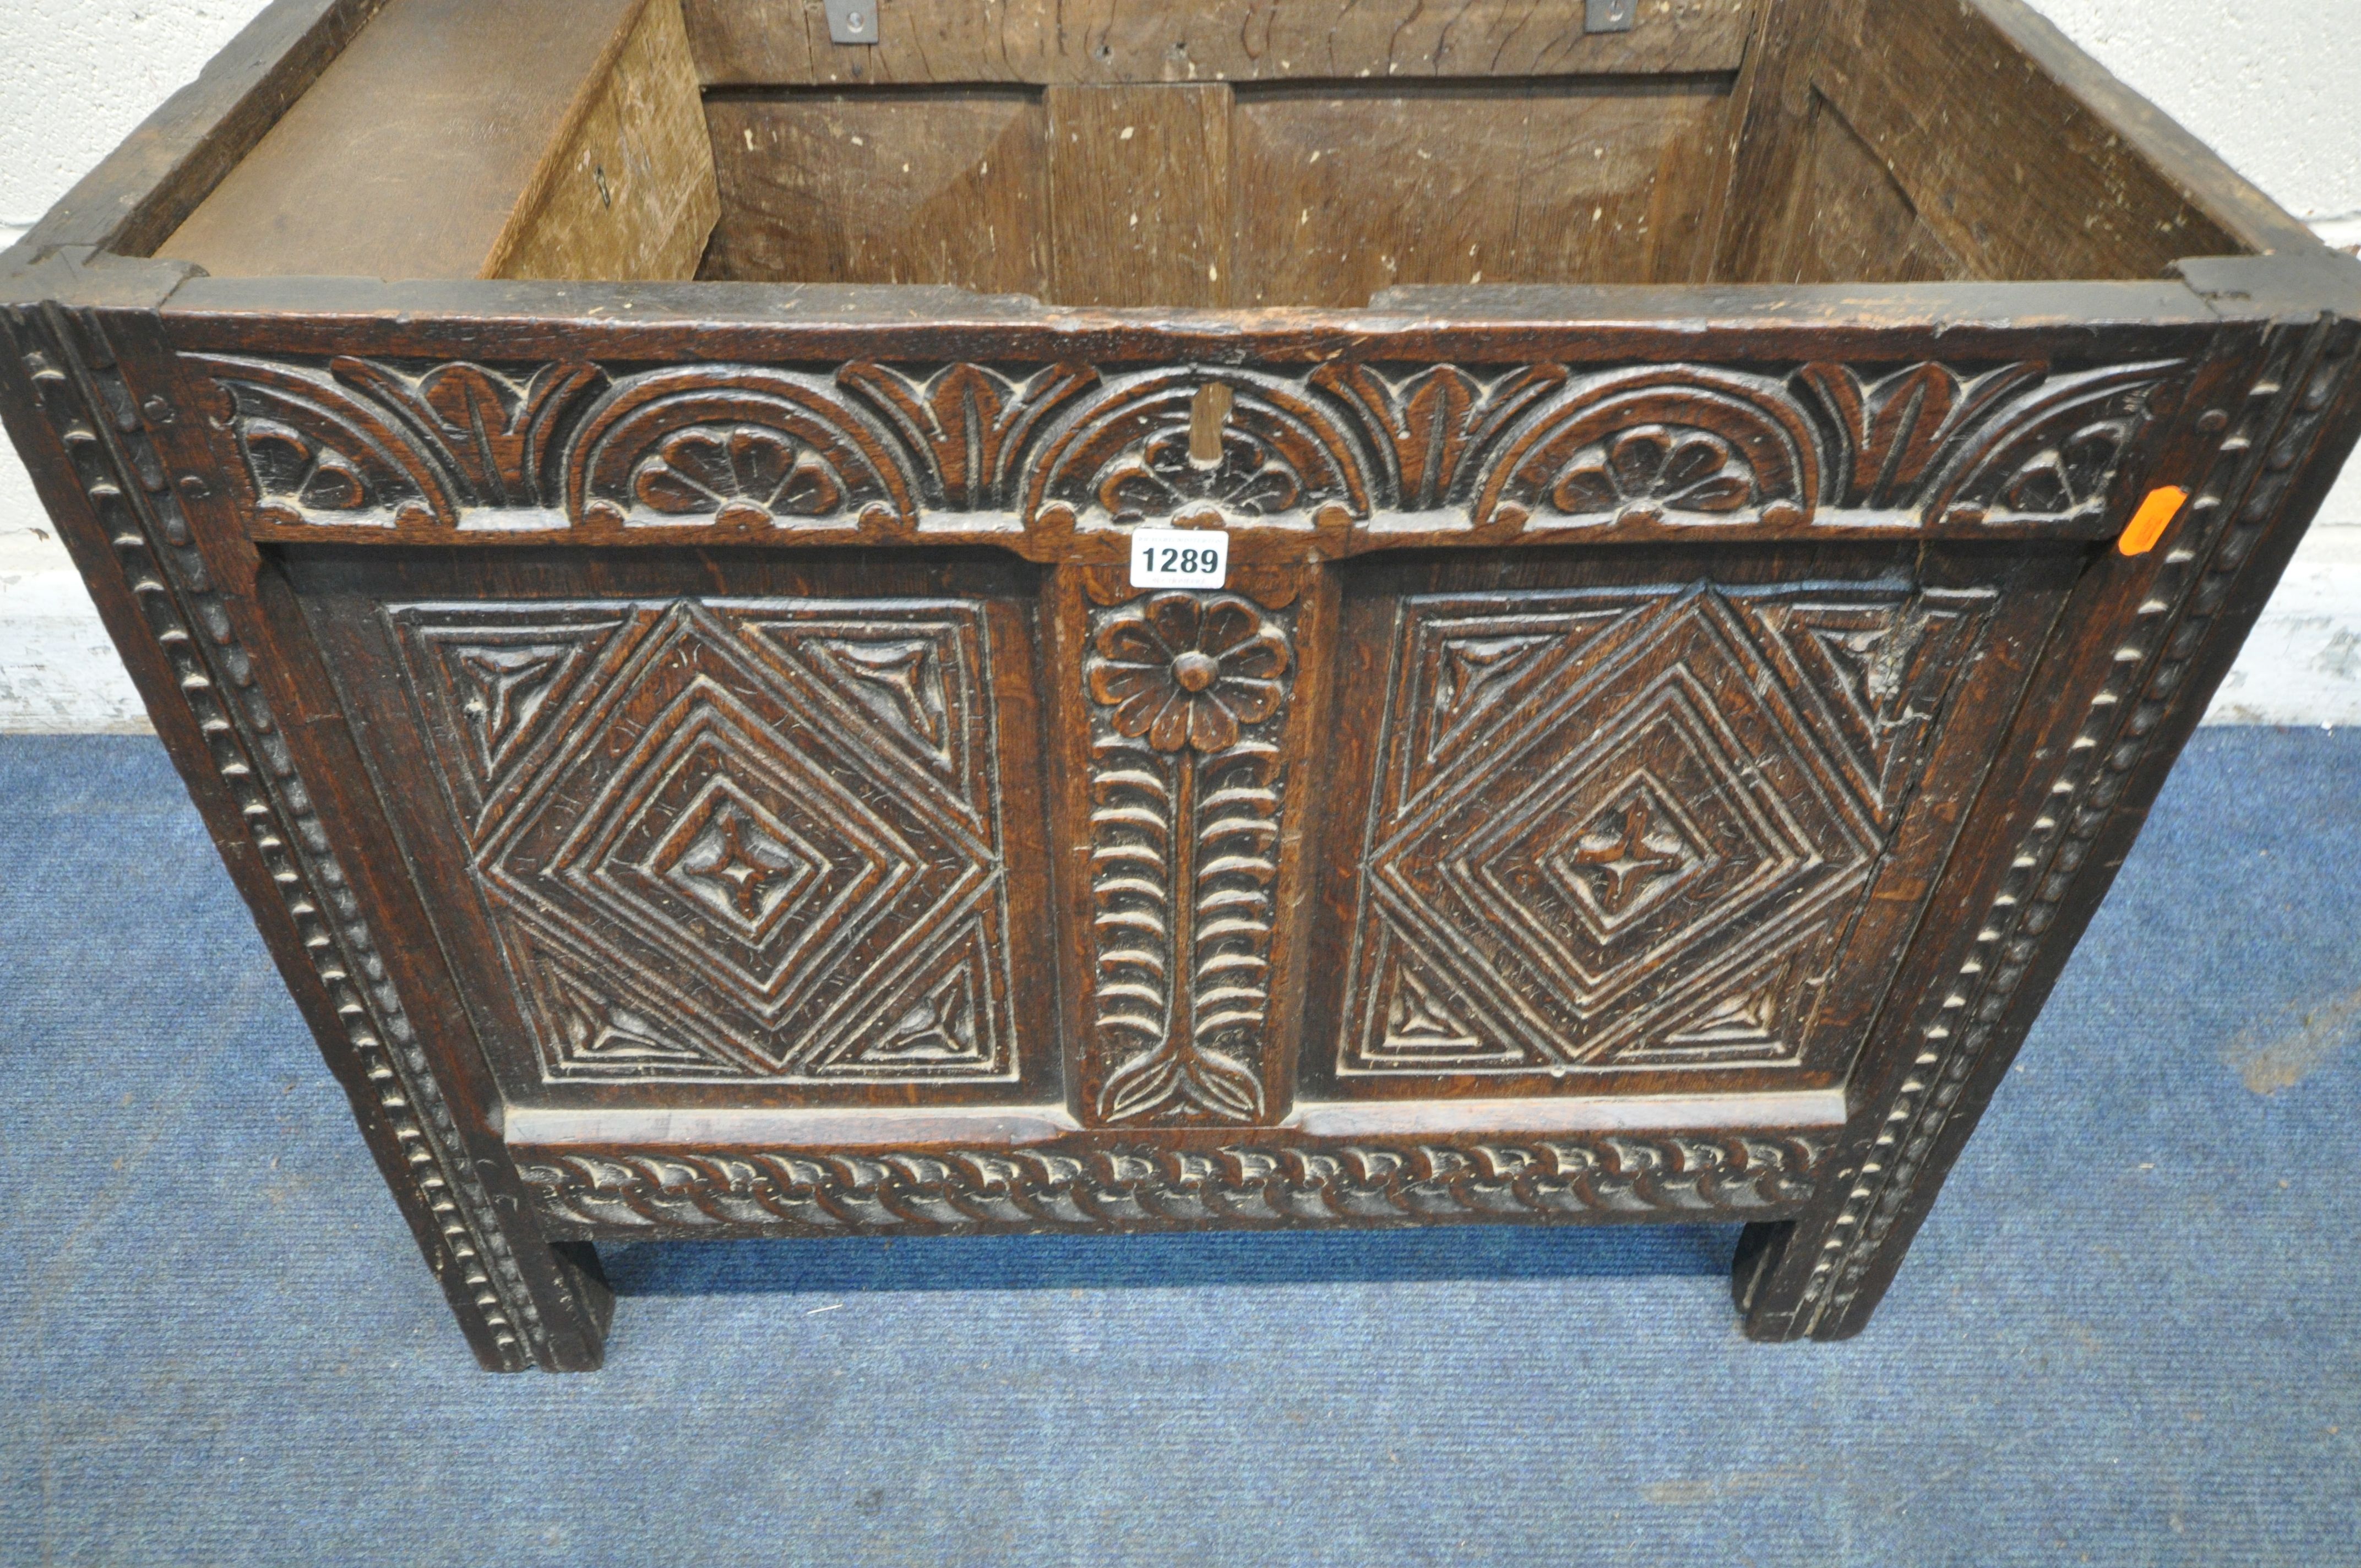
<point>1058,460</point>
<point>1265,1179</point>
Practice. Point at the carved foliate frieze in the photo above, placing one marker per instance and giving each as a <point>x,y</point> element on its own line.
<point>1622,828</point>
<point>728,444</point>
<point>360,443</point>
<point>1264,1180</point>
<point>749,840</point>
<point>1187,695</point>
<point>971,423</point>
<point>866,450</point>
<point>1425,428</point>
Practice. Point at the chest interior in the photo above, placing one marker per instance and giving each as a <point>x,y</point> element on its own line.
<point>1196,154</point>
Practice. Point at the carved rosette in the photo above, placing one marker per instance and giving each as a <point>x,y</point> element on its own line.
<point>757,449</point>
<point>1187,699</point>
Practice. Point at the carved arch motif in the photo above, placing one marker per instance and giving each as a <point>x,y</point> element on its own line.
<point>1654,445</point>
<point>317,451</point>
<point>967,426</point>
<point>1889,432</point>
<point>744,445</point>
<point>362,442</point>
<point>2051,454</point>
<point>1428,427</point>
<point>1124,457</point>
<point>495,435</point>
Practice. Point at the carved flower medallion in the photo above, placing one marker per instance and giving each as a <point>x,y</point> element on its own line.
<point>1162,480</point>
<point>1188,670</point>
<point>1639,474</point>
<point>742,475</point>
<point>2071,476</point>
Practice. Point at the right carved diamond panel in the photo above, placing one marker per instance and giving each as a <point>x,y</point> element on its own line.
<point>1634,827</point>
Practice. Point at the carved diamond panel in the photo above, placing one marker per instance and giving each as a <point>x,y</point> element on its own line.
<point>753,840</point>
<point>490,687</point>
<point>1621,829</point>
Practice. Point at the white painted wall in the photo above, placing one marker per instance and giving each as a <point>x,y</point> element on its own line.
<point>2274,84</point>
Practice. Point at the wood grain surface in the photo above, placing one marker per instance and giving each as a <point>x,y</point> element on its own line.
<point>786,42</point>
<point>946,187</point>
<point>454,139</point>
<point>1140,195</point>
<point>1343,193</point>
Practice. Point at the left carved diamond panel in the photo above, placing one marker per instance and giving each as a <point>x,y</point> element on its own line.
<point>752,840</point>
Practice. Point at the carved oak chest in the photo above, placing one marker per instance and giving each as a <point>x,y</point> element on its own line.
<point>819,618</point>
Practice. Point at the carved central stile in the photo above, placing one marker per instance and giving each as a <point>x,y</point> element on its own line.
<point>1188,693</point>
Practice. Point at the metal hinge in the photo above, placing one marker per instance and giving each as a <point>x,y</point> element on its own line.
<point>1597,16</point>
<point>855,21</point>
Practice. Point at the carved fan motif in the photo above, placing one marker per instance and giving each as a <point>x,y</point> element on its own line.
<point>2069,477</point>
<point>1646,471</point>
<point>738,475</point>
<point>1659,447</point>
<point>741,445</point>
<point>2050,452</point>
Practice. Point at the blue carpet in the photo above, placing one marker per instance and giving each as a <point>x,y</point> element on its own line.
<point>2127,1334</point>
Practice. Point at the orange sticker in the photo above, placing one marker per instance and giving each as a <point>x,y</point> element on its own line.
<point>2148,523</point>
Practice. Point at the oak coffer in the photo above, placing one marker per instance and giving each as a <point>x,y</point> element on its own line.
<point>825,618</point>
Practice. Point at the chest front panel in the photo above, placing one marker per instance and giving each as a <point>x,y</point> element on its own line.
<point>760,838</point>
<point>724,832</point>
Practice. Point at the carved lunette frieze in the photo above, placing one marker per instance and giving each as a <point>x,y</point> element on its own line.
<point>2260,453</point>
<point>865,450</point>
<point>1269,1179</point>
<point>106,435</point>
<point>1188,693</point>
